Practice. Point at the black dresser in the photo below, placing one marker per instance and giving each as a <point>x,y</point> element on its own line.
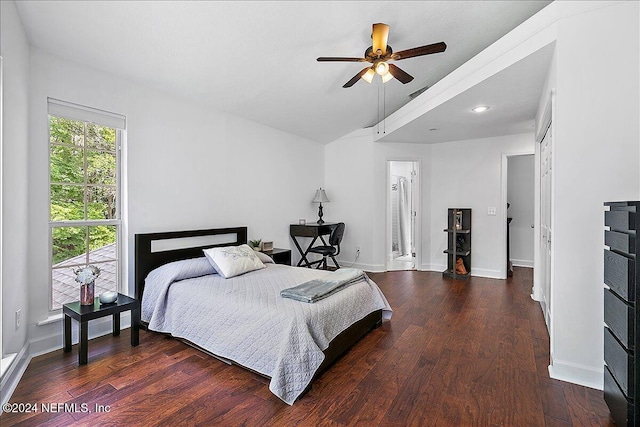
<point>621,314</point>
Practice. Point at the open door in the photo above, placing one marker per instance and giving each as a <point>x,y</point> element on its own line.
<point>546,178</point>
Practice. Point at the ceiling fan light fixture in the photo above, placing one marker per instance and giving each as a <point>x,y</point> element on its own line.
<point>382,68</point>
<point>379,53</point>
<point>368,76</point>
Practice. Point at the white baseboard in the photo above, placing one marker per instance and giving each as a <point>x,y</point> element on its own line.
<point>97,328</point>
<point>373,268</point>
<point>522,263</point>
<point>536,294</point>
<point>12,376</point>
<point>429,267</point>
<point>6,363</point>
<point>490,274</point>
<point>47,344</point>
<point>477,272</point>
<point>583,375</point>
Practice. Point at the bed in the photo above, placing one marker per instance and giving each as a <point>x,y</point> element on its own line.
<point>243,319</point>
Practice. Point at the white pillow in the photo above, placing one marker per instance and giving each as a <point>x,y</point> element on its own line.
<point>264,257</point>
<point>230,261</point>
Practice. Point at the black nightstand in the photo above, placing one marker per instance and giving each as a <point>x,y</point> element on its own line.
<point>84,313</point>
<point>280,256</point>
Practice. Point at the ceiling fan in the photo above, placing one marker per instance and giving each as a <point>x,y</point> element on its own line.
<point>380,53</point>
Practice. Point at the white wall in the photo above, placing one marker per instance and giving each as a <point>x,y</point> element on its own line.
<point>596,155</point>
<point>187,167</point>
<point>348,180</point>
<point>520,194</point>
<point>468,174</point>
<point>14,49</point>
<point>355,174</point>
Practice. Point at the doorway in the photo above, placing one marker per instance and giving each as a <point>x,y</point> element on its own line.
<point>520,211</point>
<point>401,219</point>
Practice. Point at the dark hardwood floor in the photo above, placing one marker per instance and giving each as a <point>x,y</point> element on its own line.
<point>453,354</point>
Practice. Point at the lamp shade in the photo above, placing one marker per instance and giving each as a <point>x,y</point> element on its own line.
<point>382,68</point>
<point>368,76</point>
<point>320,197</point>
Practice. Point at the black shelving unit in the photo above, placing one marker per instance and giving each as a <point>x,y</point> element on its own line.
<point>458,241</point>
<point>621,312</point>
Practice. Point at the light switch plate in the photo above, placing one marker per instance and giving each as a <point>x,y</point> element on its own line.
<point>491,211</point>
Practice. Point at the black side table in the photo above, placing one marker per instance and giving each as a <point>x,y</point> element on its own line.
<point>84,313</point>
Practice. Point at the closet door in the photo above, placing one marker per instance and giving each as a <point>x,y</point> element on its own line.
<point>546,179</point>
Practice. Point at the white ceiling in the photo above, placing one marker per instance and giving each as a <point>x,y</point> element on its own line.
<point>257,59</point>
<point>512,96</point>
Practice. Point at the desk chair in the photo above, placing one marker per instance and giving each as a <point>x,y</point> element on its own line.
<point>334,249</point>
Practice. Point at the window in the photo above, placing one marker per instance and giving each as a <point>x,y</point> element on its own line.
<point>84,198</point>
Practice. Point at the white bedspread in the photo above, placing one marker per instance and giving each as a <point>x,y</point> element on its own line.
<point>245,319</point>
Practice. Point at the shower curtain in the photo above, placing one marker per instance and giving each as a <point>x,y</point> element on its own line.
<point>401,235</point>
<point>404,218</point>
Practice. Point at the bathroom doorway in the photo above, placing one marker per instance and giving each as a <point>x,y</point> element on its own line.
<point>401,213</point>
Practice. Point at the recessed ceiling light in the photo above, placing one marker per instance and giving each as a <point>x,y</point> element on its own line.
<point>480,108</point>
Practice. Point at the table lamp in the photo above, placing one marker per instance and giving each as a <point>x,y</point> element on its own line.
<point>320,197</point>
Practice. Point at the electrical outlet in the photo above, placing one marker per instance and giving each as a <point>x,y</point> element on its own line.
<point>491,211</point>
<point>357,251</point>
<point>18,318</point>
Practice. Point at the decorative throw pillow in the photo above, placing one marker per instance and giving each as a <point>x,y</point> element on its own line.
<point>230,261</point>
<point>264,257</point>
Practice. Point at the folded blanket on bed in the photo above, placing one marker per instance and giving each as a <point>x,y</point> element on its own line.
<point>317,289</point>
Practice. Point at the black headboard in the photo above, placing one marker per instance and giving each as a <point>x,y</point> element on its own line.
<point>146,259</point>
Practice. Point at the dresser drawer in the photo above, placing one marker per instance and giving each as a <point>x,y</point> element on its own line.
<point>621,409</point>
<point>622,242</point>
<point>620,363</point>
<point>621,220</point>
<point>619,274</point>
<point>619,317</point>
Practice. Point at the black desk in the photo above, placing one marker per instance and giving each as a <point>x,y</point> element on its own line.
<point>84,313</point>
<point>314,231</point>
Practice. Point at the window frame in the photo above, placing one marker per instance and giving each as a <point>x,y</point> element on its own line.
<point>117,222</point>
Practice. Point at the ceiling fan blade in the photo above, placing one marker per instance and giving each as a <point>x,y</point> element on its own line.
<point>379,36</point>
<point>339,59</point>
<point>419,51</point>
<point>400,74</point>
<point>355,78</point>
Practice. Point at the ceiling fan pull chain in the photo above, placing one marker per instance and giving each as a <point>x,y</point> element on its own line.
<point>378,125</point>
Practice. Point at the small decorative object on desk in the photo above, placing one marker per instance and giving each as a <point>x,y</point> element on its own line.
<point>255,244</point>
<point>267,246</point>
<point>86,276</point>
<point>302,221</point>
<point>108,297</point>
